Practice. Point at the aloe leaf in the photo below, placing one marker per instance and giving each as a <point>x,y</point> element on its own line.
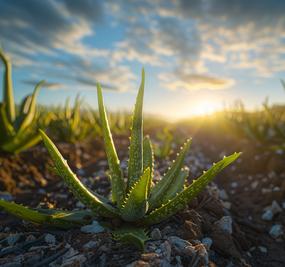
<point>176,186</point>
<point>136,205</point>
<point>182,199</point>
<point>6,126</point>
<point>21,142</point>
<point>8,96</point>
<point>148,160</point>
<point>29,117</point>
<point>92,201</point>
<point>161,187</point>
<point>117,180</point>
<point>135,166</point>
<point>23,212</point>
<point>132,236</point>
<point>55,218</point>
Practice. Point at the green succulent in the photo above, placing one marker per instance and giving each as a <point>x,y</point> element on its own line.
<point>71,124</point>
<point>135,200</point>
<point>17,131</point>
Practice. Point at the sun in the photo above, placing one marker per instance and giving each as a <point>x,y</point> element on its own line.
<point>205,107</point>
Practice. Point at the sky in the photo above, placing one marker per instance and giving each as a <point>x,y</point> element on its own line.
<point>198,55</point>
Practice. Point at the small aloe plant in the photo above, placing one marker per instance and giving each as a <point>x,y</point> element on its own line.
<point>135,200</point>
<point>16,130</point>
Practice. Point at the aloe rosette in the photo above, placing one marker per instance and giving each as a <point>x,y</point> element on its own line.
<point>17,131</point>
<point>135,200</point>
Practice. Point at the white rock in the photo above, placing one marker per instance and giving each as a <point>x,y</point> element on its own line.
<point>276,230</point>
<point>207,241</point>
<point>234,185</point>
<point>271,211</point>
<point>90,244</point>
<point>263,249</point>
<point>93,228</point>
<point>275,207</point>
<point>223,195</point>
<point>267,215</point>
<point>13,239</point>
<point>156,234</point>
<point>50,239</point>
<point>227,205</point>
<point>254,184</point>
<point>182,246</point>
<point>225,224</point>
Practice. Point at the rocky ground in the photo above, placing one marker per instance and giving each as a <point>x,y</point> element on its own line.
<point>237,221</point>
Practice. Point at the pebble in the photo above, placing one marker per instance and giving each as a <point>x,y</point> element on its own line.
<point>263,249</point>
<point>276,230</point>
<point>182,246</point>
<point>271,211</point>
<point>50,239</point>
<point>6,196</point>
<point>254,184</point>
<point>90,244</point>
<point>207,241</point>
<point>225,224</point>
<point>79,204</point>
<point>283,205</point>
<point>234,185</point>
<point>223,195</point>
<point>227,205</point>
<point>93,228</point>
<point>13,239</point>
<point>156,234</point>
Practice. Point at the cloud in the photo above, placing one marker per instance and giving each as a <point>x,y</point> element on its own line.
<point>194,82</point>
<point>181,39</point>
<point>48,85</point>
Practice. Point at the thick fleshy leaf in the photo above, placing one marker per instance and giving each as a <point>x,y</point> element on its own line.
<point>8,97</point>
<point>48,217</point>
<point>132,236</point>
<point>135,166</point>
<point>176,186</point>
<point>31,112</point>
<point>93,201</point>
<point>136,205</point>
<point>6,127</point>
<point>148,158</point>
<point>182,199</point>
<point>117,180</point>
<point>162,186</point>
<point>21,142</point>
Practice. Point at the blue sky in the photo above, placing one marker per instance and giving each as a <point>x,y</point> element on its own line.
<point>195,53</point>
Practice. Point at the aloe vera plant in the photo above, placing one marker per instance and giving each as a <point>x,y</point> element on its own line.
<point>17,131</point>
<point>135,201</point>
<point>72,123</point>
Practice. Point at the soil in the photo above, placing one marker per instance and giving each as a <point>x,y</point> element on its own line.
<point>237,199</point>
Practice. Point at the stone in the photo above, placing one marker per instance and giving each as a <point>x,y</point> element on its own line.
<point>13,239</point>
<point>50,239</point>
<point>91,244</point>
<point>93,228</point>
<point>271,211</point>
<point>263,249</point>
<point>156,234</point>
<point>225,224</point>
<point>223,195</point>
<point>276,231</point>
<point>207,242</point>
<point>182,246</point>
